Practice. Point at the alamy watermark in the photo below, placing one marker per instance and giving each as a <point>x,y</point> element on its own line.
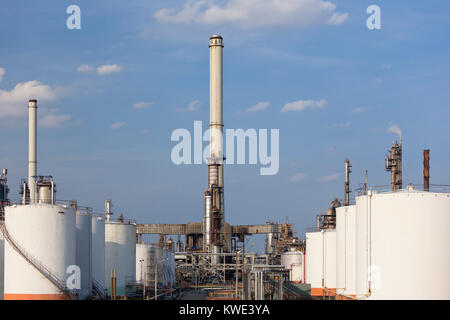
<point>251,146</point>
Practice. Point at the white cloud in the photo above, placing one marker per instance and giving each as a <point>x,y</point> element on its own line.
<point>108,69</point>
<point>298,177</point>
<point>258,107</point>
<point>2,73</point>
<point>359,110</point>
<point>330,177</point>
<point>54,121</point>
<point>118,125</point>
<point>193,106</point>
<point>254,13</point>
<point>142,105</point>
<point>84,68</point>
<point>395,129</point>
<point>301,105</point>
<point>14,103</point>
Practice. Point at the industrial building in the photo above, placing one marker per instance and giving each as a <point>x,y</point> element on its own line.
<point>386,243</point>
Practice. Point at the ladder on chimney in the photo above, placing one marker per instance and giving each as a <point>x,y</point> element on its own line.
<point>46,272</point>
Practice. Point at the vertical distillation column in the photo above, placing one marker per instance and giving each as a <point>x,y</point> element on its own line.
<point>214,201</point>
<point>347,182</point>
<point>32,162</point>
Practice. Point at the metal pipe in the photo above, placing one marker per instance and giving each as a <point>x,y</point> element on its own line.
<point>32,142</point>
<point>426,170</point>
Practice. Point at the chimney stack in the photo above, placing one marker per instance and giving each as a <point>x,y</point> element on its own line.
<point>426,170</point>
<point>32,160</point>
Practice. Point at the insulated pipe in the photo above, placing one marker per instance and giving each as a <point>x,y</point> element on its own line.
<point>32,160</point>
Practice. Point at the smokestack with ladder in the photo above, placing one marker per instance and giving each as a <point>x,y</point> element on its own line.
<point>214,200</point>
<point>32,160</point>
<point>426,170</point>
<point>347,182</point>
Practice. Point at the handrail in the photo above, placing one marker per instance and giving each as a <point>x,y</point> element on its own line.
<point>45,271</point>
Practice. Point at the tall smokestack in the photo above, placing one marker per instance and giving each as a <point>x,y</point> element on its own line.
<point>394,165</point>
<point>215,102</point>
<point>32,160</point>
<point>426,170</point>
<point>214,201</point>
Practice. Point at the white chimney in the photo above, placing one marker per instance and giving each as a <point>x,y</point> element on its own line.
<point>32,160</point>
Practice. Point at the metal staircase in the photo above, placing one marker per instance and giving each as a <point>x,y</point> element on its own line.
<point>46,272</point>
<point>98,290</point>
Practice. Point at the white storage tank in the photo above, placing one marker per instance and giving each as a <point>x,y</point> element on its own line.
<point>313,262</point>
<point>293,261</point>
<point>320,261</point>
<point>98,251</point>
<point>362,248</point>
<point>143,263</point>
<point>409,245</point>
<point>84,252</point>
<point>120,254</point>
<point>46,234</point>
<point>346,251</point>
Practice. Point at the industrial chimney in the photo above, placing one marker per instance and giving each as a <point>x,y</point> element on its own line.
<point>214,218</point>
<point>426,170</point>
<point>32,161</point>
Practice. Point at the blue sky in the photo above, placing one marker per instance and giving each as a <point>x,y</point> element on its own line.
<point>97,145</point>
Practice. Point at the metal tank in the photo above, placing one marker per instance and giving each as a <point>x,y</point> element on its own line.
<point>329,259</point>
<point>98,251</point>
<point>346,250</point>
<point>293,261</point>
<point>362,248</point>
<point>45,235</point>
<point>320,261</point>
<point>408,245</point>
<point>313,261</point>
<point>143,263</point>
<point>84,251</point>
<point>120,254</point>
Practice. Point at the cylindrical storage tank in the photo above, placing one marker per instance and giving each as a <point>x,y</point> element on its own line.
<point>362,248</point>
<point>293,261</point>
<point>350,251</point>
<point>409,248</point>
<point>120,255</point>
<point>340,248</point>
<point>46,233</point>
<point>329,260</point>
<point>2,262</point>
<point>84,252</point>
<point>346,250</point>
<point>314,262</point>
<point>143,263</point>
<point>98,250</point>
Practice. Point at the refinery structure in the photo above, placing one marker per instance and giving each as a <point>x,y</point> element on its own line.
<point>388,242</point>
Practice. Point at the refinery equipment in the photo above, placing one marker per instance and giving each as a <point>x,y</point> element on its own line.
<point>394,165</point>
<point>293,260</point>
<point>40,236</point>
<point>393,243</point>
